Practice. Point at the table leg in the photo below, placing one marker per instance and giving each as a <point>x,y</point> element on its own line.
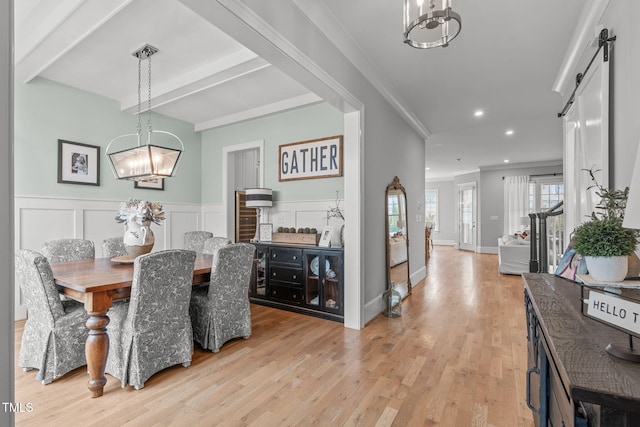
<point>97,346</point>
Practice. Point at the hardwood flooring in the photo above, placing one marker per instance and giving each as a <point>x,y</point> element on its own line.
<point>457,357</point>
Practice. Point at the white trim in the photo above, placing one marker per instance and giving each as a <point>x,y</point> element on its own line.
<point>353,151</point>
<point>488,249</point>
<point>444,242</point>
<point>228,191</point>
<point>335,32</point>
<point>263,110</point>
<point>581,40</point>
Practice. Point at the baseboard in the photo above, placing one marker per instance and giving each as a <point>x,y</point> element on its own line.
<point>488,249</point>
<point>444,242</point>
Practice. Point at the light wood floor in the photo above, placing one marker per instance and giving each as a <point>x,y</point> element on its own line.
<point>457,357</point>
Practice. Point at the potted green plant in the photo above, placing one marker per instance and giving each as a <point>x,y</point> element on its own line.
<point>603,241</point>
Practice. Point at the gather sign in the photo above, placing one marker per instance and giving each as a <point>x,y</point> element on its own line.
<point>316,158</point>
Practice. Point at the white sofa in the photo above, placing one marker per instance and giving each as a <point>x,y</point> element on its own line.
<point>398,250</point>
<point>513,255</point>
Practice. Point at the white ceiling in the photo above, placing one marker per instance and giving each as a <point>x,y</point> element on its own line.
<point>504,62</point>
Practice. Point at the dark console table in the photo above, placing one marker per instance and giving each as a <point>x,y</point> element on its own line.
<point>571,380</point>
<point>301,278</point>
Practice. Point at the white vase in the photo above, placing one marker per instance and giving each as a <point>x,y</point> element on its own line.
<point>138,238</point>
<point>607,269</point>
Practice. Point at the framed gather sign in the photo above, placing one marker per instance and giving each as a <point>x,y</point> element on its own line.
<point>317,158</point>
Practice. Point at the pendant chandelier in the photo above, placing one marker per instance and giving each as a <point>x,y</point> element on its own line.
<point>145,161</point>
<point>427,26</point>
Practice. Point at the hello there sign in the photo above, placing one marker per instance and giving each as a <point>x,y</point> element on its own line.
<point>317,158</point>
<point>615,311</point>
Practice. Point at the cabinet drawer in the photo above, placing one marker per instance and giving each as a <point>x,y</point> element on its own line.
<point>561,411</point>
<point>289,294</point>
<point>286,255</point>
<point>284,274</point>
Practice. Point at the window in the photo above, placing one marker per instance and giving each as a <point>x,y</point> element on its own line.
<point>396,210</point>
<point>544,194</point>
<point>431,208</point>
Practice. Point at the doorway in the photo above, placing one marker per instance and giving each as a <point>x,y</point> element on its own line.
<point>467,235</point>
<point>242,167</point>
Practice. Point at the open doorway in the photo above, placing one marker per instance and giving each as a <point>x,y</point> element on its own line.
<point>242,168</point>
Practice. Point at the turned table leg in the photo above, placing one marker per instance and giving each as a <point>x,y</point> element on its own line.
<point>97,346</point>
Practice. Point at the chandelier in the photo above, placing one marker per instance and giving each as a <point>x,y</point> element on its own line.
<point>145,161</point>
<point>427,26</point>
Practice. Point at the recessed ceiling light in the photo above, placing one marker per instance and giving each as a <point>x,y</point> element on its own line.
<point>478,113</point>
<point>509,132</point>
<point>506,160</point>
<point>426,168</point>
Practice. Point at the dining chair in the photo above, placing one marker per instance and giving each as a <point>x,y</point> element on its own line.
<point>152,331</point>
<point>213,243</point>
<point>54,337</point>
<point>64,250</point>
<point>194,240</point>
<point>221,312</point>
<point>113,247</point>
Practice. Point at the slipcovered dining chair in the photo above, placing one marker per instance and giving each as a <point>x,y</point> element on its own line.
<point>221,312</point>
<point>152,331</point>
<point>54,334</point>
<point>113,247</point>
<point>64,250</point>
<point>194,240</point>
<point>213,243</point>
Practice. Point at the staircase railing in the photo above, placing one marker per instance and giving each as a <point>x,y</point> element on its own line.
<point>539,250</point>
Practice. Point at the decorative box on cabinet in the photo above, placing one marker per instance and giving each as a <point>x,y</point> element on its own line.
<point>571,380</point>
<point>291,277</point>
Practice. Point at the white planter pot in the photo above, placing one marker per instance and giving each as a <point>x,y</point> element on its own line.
<point>608,269</point>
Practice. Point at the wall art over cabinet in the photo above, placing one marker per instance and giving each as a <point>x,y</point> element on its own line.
<point>317,158</point>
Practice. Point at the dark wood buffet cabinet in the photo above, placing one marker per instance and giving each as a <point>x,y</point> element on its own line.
<point>300,278</point>
<point>572,380</point>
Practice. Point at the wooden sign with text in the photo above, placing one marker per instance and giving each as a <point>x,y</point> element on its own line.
<point>615,311</point>
<point>317,158</point>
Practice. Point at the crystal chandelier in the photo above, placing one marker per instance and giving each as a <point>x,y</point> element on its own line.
<point>427,26</point>
<point>145,161</point>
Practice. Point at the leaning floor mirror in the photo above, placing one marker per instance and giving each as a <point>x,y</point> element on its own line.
<point>397,237</point>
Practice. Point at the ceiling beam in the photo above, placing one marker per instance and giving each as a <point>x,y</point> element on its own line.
<point>53,28</point>
<point>264,110</point>
<point>216,73</point>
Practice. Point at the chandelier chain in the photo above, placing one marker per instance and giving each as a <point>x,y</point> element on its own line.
<point>139,127</point>
<point>149,106</point>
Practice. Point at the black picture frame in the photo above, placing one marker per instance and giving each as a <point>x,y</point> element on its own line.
<point>78,163</point>
<point>154,184</point>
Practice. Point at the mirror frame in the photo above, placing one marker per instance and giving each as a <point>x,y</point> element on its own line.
<point>397,186</point>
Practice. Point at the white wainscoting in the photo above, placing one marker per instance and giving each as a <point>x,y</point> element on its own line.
<point>39,219</point>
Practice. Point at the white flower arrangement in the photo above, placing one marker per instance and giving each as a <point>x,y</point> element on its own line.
<point>140,211</point>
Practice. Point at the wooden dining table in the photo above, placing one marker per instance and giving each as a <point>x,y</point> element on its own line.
<point>97,283</point>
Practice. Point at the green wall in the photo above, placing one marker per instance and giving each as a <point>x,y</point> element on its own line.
<point>313,122</point>
<point>46,111</point>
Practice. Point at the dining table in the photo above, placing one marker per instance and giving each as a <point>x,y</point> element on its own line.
<point>97,283</point>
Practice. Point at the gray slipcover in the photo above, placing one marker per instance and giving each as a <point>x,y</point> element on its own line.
<point>54,334</point>
<point>213,243</point>
<point>64,250</point>
<point>113,247</point>
<point>152,331</point>
<point>194,240</point>
<point>221,311</point>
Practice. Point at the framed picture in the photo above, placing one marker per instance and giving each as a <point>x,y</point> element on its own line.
<point>266,230</point>
<point>154,184</point>
<point>78,163</point>
<point>325,237</point>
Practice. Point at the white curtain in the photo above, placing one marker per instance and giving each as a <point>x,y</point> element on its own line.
<point>516,202</point>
